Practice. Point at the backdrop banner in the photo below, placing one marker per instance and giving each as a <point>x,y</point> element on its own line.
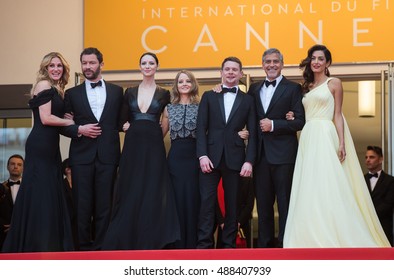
<point>200,33</point>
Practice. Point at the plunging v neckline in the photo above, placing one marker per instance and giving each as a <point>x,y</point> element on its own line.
<point>150,104</point>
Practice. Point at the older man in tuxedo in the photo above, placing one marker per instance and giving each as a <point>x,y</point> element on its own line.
<point>222,152</point>
<point>381,188</point>
<point>8,192</point>
<point>276,146</point>
<point>94,149</point>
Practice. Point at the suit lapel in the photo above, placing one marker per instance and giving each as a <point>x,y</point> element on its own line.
<point>237,102</point>
<point>259,104</point>
<point>85,101</point>
<point>108,100</point>
<point>220,99</point>
<point>368,184</point>
<point>10,201</point>
<point>277,94</point>
<point>378,185</point>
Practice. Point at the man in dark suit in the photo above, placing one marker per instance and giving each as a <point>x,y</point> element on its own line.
<point>381,187</point>
<point>94,149</point>
<point>8,193</point>
<point>276,146</point>
<point>221,151</point>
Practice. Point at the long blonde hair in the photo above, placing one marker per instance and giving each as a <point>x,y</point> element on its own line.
<point>43,75</point>
<point>193,95</point>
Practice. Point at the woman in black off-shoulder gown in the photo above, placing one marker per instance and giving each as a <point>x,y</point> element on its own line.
<point>40,220</point>
<point>144,212</point>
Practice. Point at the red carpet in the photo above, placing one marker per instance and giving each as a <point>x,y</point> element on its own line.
<point>227,254</point>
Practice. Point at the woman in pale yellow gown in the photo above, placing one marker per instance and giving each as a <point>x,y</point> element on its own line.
<point>330,205</point>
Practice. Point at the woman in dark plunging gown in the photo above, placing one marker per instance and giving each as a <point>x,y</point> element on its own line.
<point>40,220</point>
<point>181,115</point>
<point>144,213</point>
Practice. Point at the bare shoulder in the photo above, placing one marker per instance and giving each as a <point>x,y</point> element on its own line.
<point>335,85</point>
<point>40,86</point>
<point>335,82</point>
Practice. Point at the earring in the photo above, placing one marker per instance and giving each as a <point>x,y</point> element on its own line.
<point>326,71</point>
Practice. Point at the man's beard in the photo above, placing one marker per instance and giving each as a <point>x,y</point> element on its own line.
<point>94,75</point>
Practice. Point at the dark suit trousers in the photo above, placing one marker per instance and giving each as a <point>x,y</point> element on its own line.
<point>208,192</point>
<point>272,182</point>
<point>92,195</point>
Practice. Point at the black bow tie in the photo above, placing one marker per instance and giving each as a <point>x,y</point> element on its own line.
<point>233,89</point>
<point>11,183</point>
<point>370,175</point>
<point>267,83</point>
<point>99,83</point>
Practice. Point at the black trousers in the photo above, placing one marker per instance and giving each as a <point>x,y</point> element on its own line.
<point>92,196</point>
<point>272,182</point>
<point>208,192</point>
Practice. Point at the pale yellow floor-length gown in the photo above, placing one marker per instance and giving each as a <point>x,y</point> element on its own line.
<point>330,206</point>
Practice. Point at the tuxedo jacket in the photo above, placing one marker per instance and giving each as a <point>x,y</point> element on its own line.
<point>6,207</point>
<point>83,150</point>
<point>279,146</point>
<point>383,200</point>
<point>216,137</point>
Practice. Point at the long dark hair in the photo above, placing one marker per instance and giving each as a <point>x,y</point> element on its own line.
<point>305,65</point>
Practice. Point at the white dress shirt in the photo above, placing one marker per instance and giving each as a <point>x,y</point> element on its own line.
<point>228,98</point>
<point>96,97</point>
<point>374,180</point>
<point>14,191</point>
<point>266,93</point>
